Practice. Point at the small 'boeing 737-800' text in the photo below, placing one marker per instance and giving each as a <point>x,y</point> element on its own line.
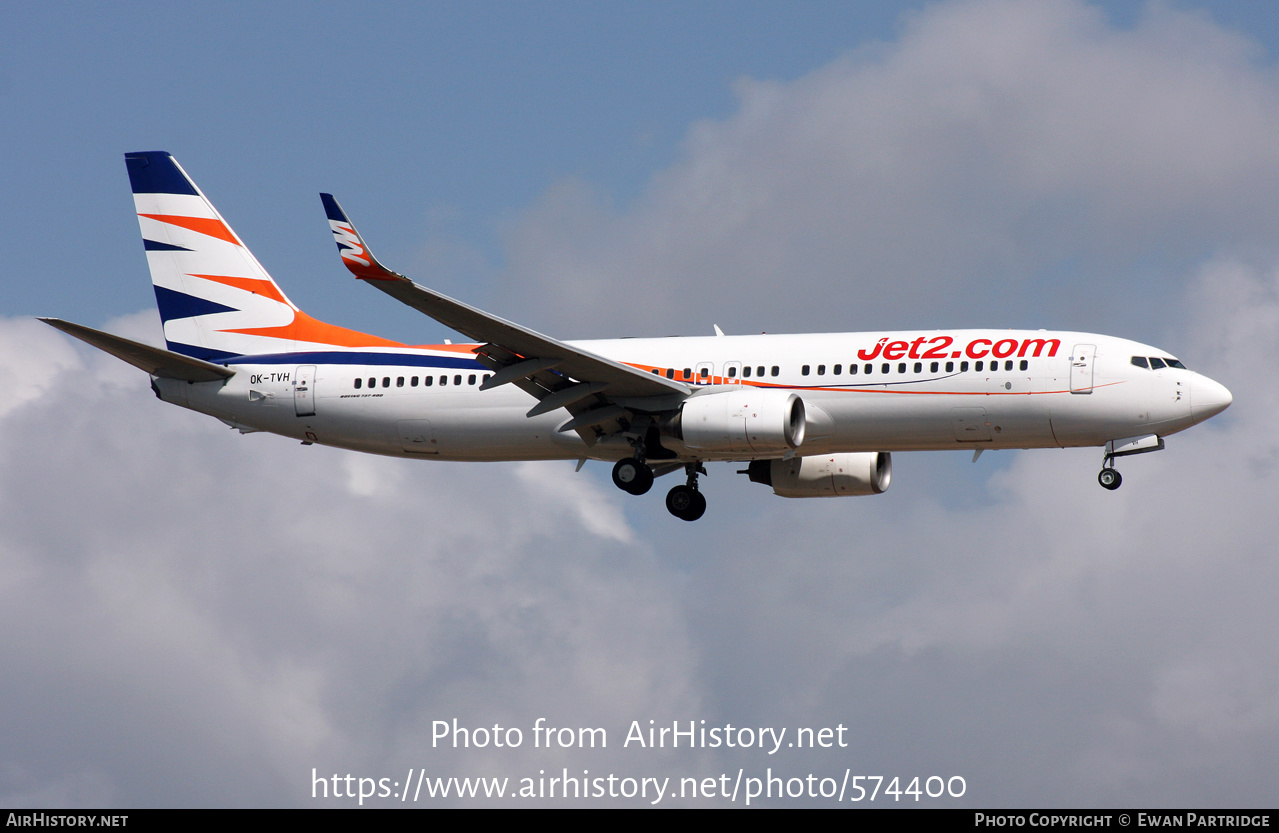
<point>809,415</point>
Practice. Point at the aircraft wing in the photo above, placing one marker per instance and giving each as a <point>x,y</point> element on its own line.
<point>558,374</point>
<point>154,360</point>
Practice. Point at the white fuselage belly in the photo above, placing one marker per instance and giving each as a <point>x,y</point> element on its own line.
<point>902,404</point>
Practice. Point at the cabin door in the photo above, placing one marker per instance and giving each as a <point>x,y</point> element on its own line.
<point>304,391</point>
<point>1081,364</point>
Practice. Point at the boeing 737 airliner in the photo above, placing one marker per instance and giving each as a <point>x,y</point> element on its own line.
<point>809,415</point>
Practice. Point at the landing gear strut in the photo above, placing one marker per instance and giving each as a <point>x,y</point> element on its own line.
<point>684,501</point>
<point>1109,478</point>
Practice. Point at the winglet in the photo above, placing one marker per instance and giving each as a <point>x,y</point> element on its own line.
<point>351,246</point>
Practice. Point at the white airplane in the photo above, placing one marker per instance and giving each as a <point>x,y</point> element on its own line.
<point>810,415</point>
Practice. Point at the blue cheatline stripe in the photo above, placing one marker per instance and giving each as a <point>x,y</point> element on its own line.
<point>155,172</point>
<point>175,305</point>
<point>157,246</point>
<point>378,359</point>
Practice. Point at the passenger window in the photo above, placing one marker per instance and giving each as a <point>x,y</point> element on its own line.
<point>413,382</point>
<point>746,372</point>
<point>821,370</point>
<point>963,367</point>
<point>1025,365</point>
<point>358,383</point>
<point>932,368</point>
<point>471,379</point>
<point>399,381</point>
<point>919,367</point>
<point>457,380</point>
<point>852,370</point>
<point>444,380</point>
<point>870,368</point>
<point>950,367</point>
<point>688,373</point>
<point>704,372</point>
<point>776,370</point>
<point>759,371</point>
<point>428,380</point>
<point>372,382</point>
<point>732,373</point>
<point>670,373</point>
<point>386,381</point>
<point>836,370</point>
<point>885,367</point>
<point>804,370</point>
<point>901,367</point>
<point>979,366</point>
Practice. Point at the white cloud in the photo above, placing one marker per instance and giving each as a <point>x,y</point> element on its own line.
<point>1000,159</point>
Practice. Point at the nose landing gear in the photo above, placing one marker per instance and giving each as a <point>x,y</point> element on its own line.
<point>1109,477</point>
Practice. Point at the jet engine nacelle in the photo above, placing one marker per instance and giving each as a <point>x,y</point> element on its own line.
<point>748,421</point>
<point>826,475</point>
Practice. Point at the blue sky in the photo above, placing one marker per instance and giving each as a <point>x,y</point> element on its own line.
<point>200,618</point>
<point>438,120</point>
<point>465,110</point>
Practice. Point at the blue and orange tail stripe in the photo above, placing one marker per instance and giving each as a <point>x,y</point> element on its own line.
<point>215,299</point>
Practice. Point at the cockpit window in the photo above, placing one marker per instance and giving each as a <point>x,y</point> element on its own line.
<point>1154,363</point>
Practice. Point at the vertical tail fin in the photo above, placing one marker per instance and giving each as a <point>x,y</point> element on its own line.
<point>215,299</point>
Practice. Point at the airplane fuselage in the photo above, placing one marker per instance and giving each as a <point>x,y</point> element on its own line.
<point>862,392</point>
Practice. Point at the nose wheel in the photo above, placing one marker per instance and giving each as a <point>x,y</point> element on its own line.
<point>1109,478</point>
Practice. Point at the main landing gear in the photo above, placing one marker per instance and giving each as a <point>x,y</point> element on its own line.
<point>633,475</point>
<point>685,502</point>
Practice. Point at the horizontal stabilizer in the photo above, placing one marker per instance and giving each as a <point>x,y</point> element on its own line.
<point>153,360</point>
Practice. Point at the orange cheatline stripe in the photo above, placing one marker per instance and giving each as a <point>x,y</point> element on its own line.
<point>865,387</point>
<point>258,286</point>
<point>453,348</point>
<point>306,328</point>
<point>204,225</point>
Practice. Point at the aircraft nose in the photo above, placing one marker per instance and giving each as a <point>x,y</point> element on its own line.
<point>1209,398</point>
